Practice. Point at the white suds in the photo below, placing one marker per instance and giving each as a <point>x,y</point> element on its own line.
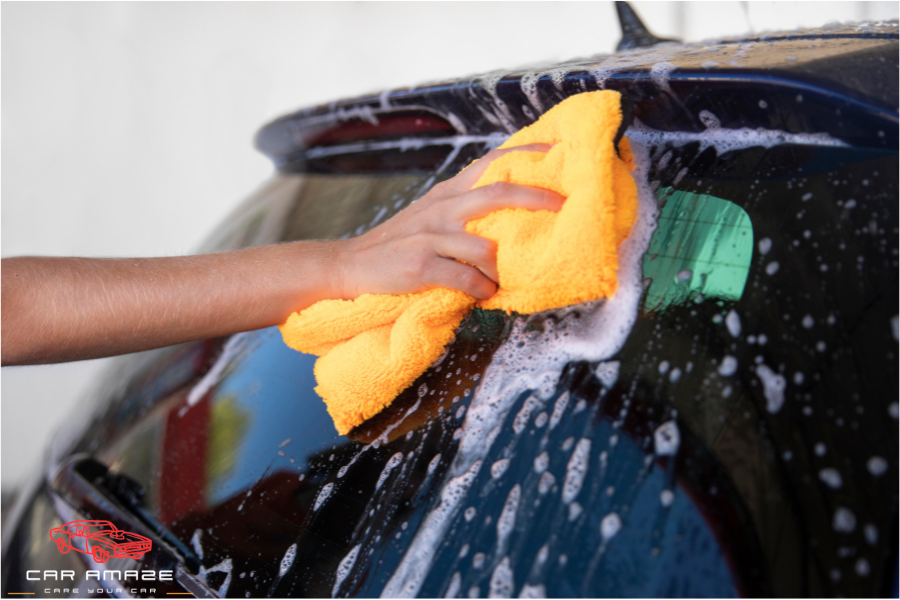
<point>196,544</point>
<point>223,567</point>
<point>608,373</point>
<point>501,580</point>
<point>729,366</point>
<point>395,460</point>
<point>666,497</point>
<point>559,408</point>
<point>659,73</point>
<point>533,591</point>
<point>844,520</point>
<point>773,387</point>
<point>831,477</point>
<point>324,494</point>
<point>575,510</point>
<point>541,462</point>
<point>455,584</point>
<point>499,468</point>
<point>507,519</point>
<point>522,417</point>
<point>576,469</point>
<point>433,464</point>
<point>546,482</point>
<point>287,560</point>
<point>610,526</point>
<point>727,140</point>
<point>409,575</point>
<point>589,332</point>
<point>667,439</point>
<point>344,568</point>
<point>733,323</point>
<point>877,466</point>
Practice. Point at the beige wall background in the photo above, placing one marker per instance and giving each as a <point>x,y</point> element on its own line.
<point>127,127</point>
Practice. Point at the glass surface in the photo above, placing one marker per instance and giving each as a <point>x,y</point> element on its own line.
<point>792,253</point>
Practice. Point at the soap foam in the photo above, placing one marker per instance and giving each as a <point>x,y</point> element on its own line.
<point>324,494</point>
<point>592,332</point>
<point>727,140</point>
<point>287,560</point>
<point>223,567</point>
<point>344,569</point>
<point>773,387</point>
<point>521,421</point>
<point>501,585</point>
<point>395,460</point>
<point>507,519</point>
<point>559,408</point>
<point>410,573</point>
<point>576,470</point>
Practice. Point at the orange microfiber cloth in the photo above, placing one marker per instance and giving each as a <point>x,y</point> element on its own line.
<point>374,347</point>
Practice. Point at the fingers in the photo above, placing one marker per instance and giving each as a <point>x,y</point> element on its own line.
<point>484,200</point>
<point>472,249</point>
<point>470,176</point>
<point>458,276</point>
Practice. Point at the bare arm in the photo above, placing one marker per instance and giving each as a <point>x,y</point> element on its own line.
<point>61,309</point>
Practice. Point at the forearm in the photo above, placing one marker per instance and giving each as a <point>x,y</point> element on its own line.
<point>59,309</point>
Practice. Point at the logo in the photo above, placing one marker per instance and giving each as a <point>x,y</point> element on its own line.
<point>101,539</point>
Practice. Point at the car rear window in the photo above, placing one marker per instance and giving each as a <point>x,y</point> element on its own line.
<point>741,442</point>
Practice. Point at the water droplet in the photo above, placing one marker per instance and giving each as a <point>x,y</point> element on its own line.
<point>733,323</point>
<point>844,520</point>
<point>877,466</point>
<point>499,468</point>
<point>667,439</point>
<point>831,478</point>
<point>610,526</point>
<point>666,497</point>
<point>773,387</point>
<point>728,367</point>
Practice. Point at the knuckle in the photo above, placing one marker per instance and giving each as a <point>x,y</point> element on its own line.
<point>469,280</point>
<point>498,190</point>
<point>486,249</point>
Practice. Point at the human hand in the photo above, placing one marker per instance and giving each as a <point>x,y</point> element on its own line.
<point>421,247</point>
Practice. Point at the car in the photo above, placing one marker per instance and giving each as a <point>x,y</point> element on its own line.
<point>100,539</point>
<point>728,429</point>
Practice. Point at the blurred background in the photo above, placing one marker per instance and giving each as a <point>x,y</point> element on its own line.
<point>127,128</point>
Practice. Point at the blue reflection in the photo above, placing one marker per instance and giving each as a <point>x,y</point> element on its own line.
<point>274,386</point>
<point>683,561</point>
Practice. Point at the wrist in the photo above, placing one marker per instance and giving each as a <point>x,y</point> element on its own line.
<point>341,256</point>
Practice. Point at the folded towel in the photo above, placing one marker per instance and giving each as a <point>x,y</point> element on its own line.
<point>374,347</point>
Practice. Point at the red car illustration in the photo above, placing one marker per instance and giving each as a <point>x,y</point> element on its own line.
<point>100,539</point>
